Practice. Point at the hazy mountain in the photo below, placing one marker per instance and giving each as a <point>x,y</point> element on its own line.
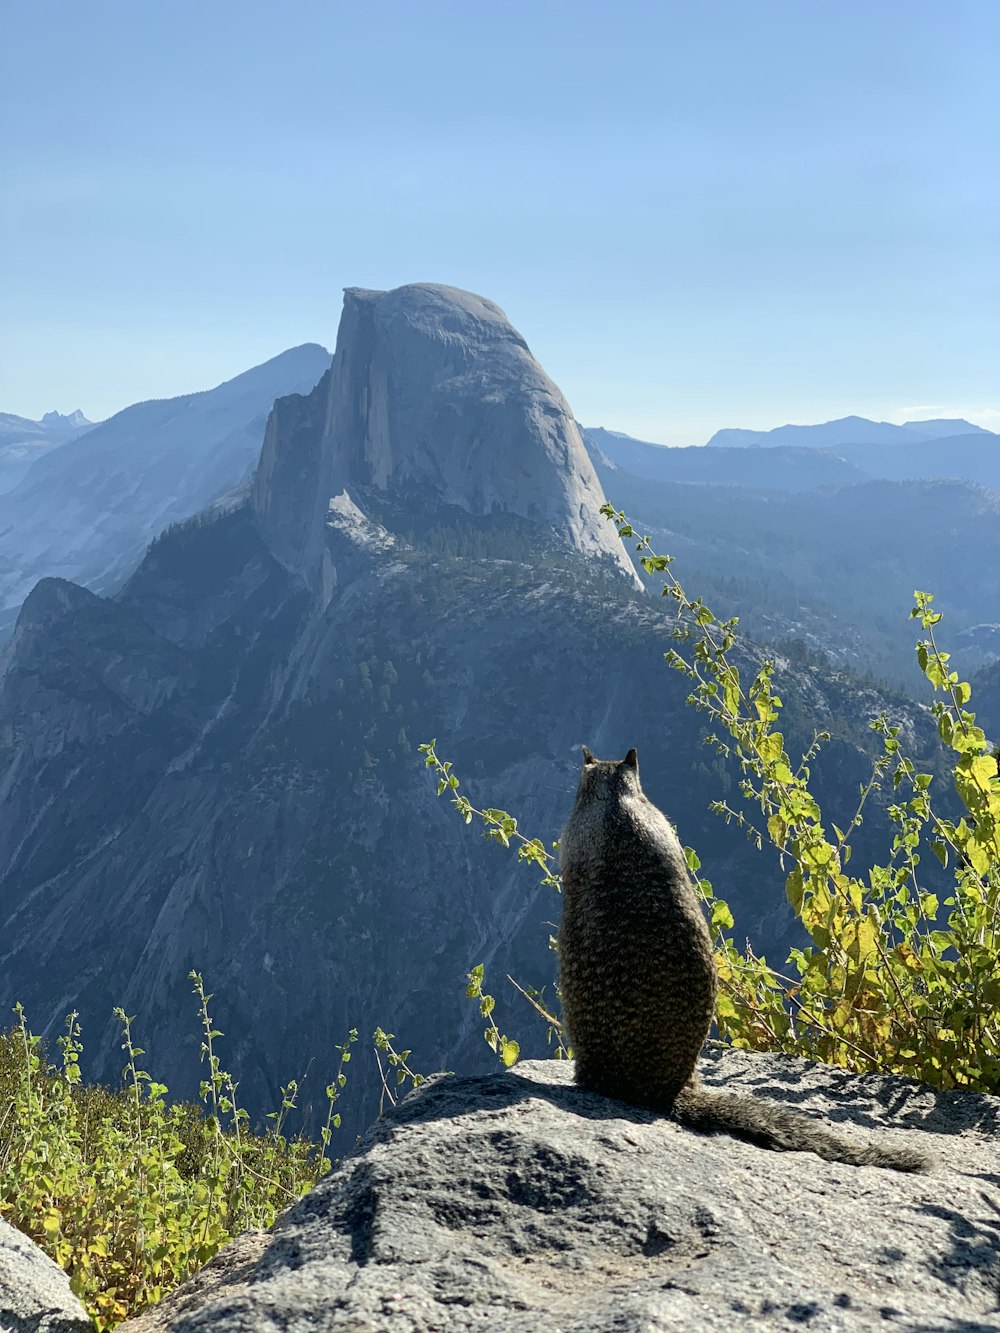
<point>835,563</point>
<point>847,430</point>
<point>23,440</point>
<point>87,509</point>
<point>942,428</point>
<point>971,457</point>
<point>834,566</point>
<point>974,457</point>
<point>217,768</point>
<point>785,468</point>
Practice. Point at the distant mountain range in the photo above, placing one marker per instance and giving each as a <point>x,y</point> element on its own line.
<point>784,468</point>
<point>87,508</point>
<point>22,441</point>
<point>846,430</point>
<point>792,458</point>
<point>836,565</point>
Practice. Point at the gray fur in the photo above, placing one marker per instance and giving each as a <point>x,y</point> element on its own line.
<point>638,975</point>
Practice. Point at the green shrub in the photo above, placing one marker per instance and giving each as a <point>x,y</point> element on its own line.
<point>130,1194</point>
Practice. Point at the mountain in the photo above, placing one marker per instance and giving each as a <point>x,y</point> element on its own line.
<point>70,422</point>
<point>846,430</point>
<point>834,566</point>
<point>974,457</point>
<point>217,768</point>
<point>943,428</point>
<point>786,468</point>
<point>971,457</point>
<point>474,423</point>
<point>825,546</point>
<point>23,440</point>
<point>87,510</point>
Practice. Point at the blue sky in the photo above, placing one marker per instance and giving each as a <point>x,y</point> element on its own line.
<point>700,213</point>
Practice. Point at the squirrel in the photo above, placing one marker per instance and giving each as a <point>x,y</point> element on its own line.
<point>638,975</point>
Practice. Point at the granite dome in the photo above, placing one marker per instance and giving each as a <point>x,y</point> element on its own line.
<point>434,397</point>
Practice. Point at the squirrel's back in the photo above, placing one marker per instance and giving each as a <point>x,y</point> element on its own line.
<point>636,970</point>
<point>638,977</point>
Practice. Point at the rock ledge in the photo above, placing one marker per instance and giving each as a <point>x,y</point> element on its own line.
<point>516,1202</point>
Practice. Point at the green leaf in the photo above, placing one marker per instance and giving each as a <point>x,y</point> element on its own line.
<point>509,1051</point>
<point>722,917</point>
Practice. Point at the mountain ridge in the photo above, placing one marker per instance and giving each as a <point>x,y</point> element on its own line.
<point>88,509</point>
<point>789,467</point>
<point>23,440</point>
<point>849,430</point>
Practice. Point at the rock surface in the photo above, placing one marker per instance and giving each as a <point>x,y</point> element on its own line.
<point>433,398</point>
<point>34,1292</point>
<point>516,1202</point>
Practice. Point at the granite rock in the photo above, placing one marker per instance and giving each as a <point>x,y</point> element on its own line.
<point>433,397</point>
<point>517,1202</point>
<point>35,1296</point>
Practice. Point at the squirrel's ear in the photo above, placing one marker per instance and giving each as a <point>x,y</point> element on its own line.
<point>588,758</point>
<point>632,759</point>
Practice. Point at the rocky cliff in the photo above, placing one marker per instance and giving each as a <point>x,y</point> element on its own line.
<point>518,1203</point>
<point>433,400</point>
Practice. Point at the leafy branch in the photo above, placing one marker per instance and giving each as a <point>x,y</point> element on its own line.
<point>498,825</point>
<point>397,1061</point>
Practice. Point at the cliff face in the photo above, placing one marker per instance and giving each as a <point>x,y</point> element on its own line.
<point>219,770</point>
<point>433,399</point>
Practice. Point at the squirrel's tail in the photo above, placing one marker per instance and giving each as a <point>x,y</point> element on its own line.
<point>772,1126</point>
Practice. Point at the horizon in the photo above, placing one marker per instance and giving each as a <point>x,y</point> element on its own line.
<point>743,217</point>
<point>915,414</point>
